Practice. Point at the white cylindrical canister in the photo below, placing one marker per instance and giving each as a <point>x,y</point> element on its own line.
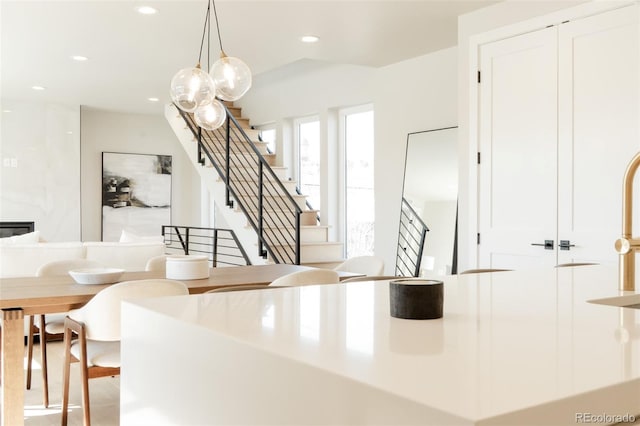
<point>187,267</point>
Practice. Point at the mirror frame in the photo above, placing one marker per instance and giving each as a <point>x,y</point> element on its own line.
<point>454,254</point>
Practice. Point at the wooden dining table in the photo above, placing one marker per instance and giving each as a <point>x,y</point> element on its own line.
<point>45,295</point>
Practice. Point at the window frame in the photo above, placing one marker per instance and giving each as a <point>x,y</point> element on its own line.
<point>297,122</point>
<point>343,113</point>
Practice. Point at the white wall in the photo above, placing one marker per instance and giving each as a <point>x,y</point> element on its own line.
<point>40,167</point>
<point>410,96</point>
<point>303,89</point>
<point>140,134</point>
<point>418,94</point>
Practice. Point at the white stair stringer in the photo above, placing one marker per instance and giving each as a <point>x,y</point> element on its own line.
<point>315,247</point>
<point>209,177</point>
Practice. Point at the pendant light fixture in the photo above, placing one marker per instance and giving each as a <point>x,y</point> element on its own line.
<point>194,90</point>
<point>191,87</point>
<point>211,115</point>
<point>231,76</point>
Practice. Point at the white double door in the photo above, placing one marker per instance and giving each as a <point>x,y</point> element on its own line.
<point>559,120</point>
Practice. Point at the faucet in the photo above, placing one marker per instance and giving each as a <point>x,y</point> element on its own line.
<point>627,245</point>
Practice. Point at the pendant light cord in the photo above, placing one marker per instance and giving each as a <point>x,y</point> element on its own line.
<point>208,38</point>
<point>204,30</point>
<point>215,14</point>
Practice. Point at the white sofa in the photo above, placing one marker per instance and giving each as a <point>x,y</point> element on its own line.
<point>23,260</point>
<point>18,259</point>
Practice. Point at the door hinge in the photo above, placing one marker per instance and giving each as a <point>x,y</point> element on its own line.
<point>479,77</point>
<point>478,158</point>
<point>565,245</point>
<point>478,240</point>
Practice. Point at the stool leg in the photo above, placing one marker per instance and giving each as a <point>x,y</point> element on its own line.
<point>43,360</point>
<point>29,351</point>
<point>66,371</point>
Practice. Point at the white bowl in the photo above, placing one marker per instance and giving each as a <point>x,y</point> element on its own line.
<point>96,275</point>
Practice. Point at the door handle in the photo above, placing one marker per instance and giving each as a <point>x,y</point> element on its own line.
<point>565,245</point>
<point>548,244</point>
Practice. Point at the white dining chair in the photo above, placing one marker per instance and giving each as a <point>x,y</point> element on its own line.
<point>482,271</point>
<point>572,264</point>
<point>97,325</point>
<point>367,265</point>
<point>157,263</point>
<point>312,276</point>
<point>229,288</point>
<point>49,325</point>
<point>373,278</point>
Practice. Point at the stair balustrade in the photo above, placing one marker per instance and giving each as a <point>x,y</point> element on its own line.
<point>411,239</point>
<point>252,184</point>
<point>221,246</point>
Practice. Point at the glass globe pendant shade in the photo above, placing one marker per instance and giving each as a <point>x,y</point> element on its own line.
<point>211,115</point>
<point>231,77</point>
<point>191,87</point>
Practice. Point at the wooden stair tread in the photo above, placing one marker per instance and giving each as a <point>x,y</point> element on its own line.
<point>301,226</point>
<point>264,155</point>
<point>271,210</point>
<point>273,167</point>
<point>319,243</point>
<point>276,195</point>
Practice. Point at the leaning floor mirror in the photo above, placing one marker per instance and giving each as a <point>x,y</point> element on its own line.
<point>427,237</point>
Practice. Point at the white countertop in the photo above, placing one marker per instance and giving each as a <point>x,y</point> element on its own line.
<point>507,342</point>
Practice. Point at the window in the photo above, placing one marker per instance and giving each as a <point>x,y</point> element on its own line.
<point>359,197</point>
<point>309,160</point>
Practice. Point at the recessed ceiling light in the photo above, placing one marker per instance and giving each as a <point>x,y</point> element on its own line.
<point>79,58</point>
<point>6,110</point>
<point>69,132</point>
<point>310,39</point>
<point>153,99</point>
<point>147,10</point>
<point>37,87</point>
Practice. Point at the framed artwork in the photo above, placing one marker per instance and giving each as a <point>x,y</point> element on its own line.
<point>136,194</point>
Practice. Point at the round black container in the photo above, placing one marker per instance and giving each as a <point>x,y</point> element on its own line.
<point>416,298</point>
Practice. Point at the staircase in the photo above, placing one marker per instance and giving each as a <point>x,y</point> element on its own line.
<point>263,207</point>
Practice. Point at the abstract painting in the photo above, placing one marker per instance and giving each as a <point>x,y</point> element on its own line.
<point>136,194</point>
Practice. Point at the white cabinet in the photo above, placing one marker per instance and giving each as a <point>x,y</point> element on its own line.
<point>559,119</point>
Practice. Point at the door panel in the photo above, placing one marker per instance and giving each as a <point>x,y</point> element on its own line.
<point>518,145</point>
<point>599,83</point>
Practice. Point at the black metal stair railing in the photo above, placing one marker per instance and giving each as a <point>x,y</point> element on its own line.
<point>411,239</point>
<point>269,208</point>
<point>221,246</point>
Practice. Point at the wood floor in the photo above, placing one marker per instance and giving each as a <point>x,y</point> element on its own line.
<point>104,393</point>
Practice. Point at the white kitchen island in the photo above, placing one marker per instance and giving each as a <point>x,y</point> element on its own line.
<point>513,348</point>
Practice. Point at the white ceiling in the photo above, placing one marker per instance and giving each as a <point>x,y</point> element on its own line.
<point>132,57</point>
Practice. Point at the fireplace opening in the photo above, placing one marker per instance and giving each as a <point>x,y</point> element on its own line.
<point>9,229</point>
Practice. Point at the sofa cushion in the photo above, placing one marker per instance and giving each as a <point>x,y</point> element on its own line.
<point>128,256</point>
<point>28,238</point>
<point>23,260</point>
